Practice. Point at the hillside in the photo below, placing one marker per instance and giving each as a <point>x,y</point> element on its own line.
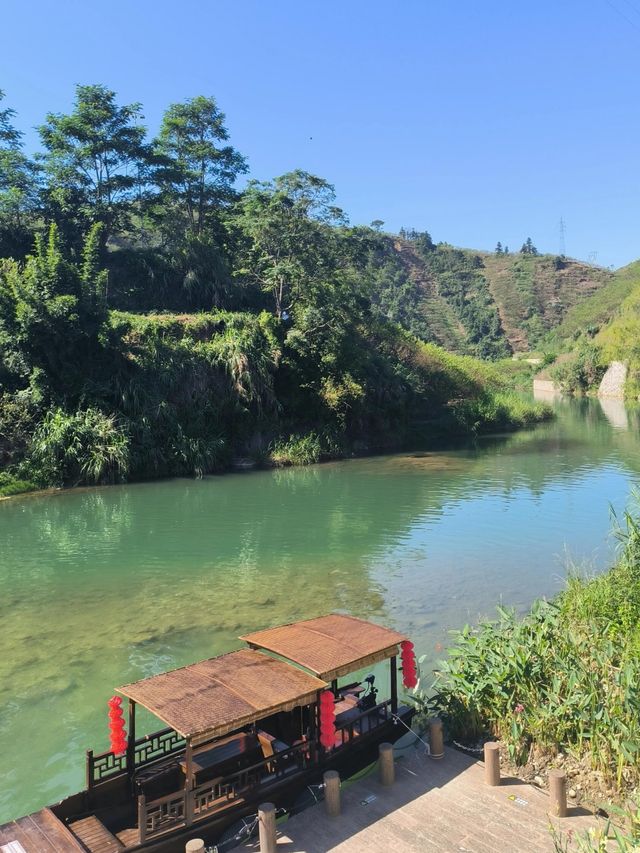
<point>602,329</point>
<point>479,303</point>
<point>599,308</point>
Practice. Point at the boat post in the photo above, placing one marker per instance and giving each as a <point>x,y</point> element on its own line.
<point>131,740</point>
<point>394,684</point>
<point>188,783</point>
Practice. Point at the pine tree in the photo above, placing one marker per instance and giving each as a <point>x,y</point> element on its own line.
<point>498,248</point>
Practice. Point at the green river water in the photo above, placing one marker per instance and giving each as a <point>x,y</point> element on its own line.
<point>103,586</point>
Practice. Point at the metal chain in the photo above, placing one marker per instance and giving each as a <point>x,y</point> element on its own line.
<point>478,750</point>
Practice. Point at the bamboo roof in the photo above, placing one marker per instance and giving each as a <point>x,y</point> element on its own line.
<point>216,696</point>
<point>329,646</point>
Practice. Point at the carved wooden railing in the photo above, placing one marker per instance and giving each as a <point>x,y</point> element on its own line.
<point>147,749</point>
<point>365,723</point>
<point>183,807</point>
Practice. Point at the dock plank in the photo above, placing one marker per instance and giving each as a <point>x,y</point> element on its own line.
<point>40,832</point>
<point>433,807</point>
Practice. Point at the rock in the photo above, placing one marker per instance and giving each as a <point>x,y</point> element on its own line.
<point>539,781</point>
<point>572,793</point>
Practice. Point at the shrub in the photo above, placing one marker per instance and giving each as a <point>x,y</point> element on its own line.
<point>583,371</point>
<point>12,485</point>
<point>83,447</point>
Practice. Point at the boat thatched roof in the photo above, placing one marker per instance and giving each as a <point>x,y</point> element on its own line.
<point>329,646</point>
<point>216,696</point>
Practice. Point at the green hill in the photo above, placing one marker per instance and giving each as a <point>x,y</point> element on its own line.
<point>487,305</point>
<point>599,308</point>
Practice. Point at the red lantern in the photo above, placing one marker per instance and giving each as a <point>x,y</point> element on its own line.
<point>409,670</point>
<point>118,735</point>
<point>327,719</point>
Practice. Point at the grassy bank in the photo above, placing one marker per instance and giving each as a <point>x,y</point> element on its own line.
<point>170,395</point>
<point>559,686</point>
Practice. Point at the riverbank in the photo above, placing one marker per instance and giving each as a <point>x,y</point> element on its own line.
<point>188,394</point>
<point>557,687</point>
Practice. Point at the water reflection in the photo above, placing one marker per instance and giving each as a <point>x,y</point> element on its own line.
<point>615,412</point>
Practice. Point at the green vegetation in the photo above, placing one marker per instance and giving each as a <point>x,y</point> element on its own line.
<point>603,328</point>
<point>597,309</point>
<point>154,321</point>
<point>582,371</point>
<point>562,678</point>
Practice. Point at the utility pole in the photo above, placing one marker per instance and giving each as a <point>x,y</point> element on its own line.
<point>563,229</point>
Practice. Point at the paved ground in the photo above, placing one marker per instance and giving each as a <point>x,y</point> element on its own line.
<point>436,806</point>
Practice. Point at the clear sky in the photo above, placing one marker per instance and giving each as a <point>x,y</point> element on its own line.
<point>477,120</point>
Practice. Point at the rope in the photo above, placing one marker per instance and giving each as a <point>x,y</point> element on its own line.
<point>427,748</point>
<point>243,834</point>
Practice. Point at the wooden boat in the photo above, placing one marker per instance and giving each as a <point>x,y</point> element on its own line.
<point>241,729</point>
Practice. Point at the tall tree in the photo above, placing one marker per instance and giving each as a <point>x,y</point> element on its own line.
<point>499,249</point>
<point>18,188</point>
<point>197,172</point>
<point>96,160</point>
<point>290,251</point>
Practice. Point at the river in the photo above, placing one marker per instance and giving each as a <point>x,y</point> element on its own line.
<point>103,586</point>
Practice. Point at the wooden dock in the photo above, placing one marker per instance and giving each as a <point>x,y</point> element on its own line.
<point>40,832</point>
<point>438,806</point>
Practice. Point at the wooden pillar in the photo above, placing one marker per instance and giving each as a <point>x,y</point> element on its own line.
<point>131,740</point>
<point>313,729</point>
<point>188,783</point>
<point>267,827</point>
<point>196,845</point>
<point>89,770</point>
<point>492,763</point>
<point>334,686</point>
<point>142,818</point>
<point>558,792</point>
<point>394,684</point>
<point>386,767</point>
<point>331,781</point>
<point>436,739</point>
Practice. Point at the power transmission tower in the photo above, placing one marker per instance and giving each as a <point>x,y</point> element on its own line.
<point>593,257</point>
<point>563,229</point>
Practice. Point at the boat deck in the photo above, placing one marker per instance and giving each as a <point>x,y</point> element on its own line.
<point>95,836</point>
<point>440,806</point>
<point>40,832</point>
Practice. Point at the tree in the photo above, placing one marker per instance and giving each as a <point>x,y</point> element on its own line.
<point>289,249</point>
<point>377,224</point>
<point>528,248</point>
<point>196,173</point>
<point>18,188</point>
<point>52,312</point>
<point>499,250</point>
<point>96,161</point>
<point>506,250</point>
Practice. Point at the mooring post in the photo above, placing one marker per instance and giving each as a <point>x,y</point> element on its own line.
<point>267,827</point>
<point>558,792</point>
<point>492,763</point>
<point>331,781</point>
<point>196,845</point>
<point>436,738</point>
<point>386,767</point>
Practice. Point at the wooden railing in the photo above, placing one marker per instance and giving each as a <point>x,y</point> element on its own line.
<point>147,749</point>
<point>365,723</point>
<point>183,807</point>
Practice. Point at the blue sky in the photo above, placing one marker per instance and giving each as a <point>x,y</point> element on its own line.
<point>477,121</point>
